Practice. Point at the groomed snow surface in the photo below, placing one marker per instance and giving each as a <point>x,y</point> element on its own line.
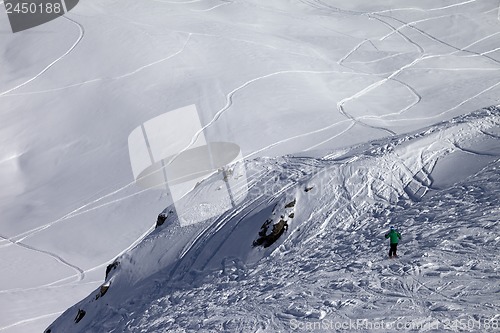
<point>378,106</point>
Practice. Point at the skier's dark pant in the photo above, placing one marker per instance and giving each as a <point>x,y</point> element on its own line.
<point>393,249</point>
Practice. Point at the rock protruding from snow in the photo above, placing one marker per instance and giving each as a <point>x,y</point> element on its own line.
<point>331,263</point>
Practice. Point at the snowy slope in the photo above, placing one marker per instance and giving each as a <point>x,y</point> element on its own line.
<point>330,266</point>
<point>275,77</point>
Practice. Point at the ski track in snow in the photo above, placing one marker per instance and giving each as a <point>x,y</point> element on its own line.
<point>435,277</point>
<point>484,53</point>
<point>25,321</point>
<point>80,210</point>
<point>244,41</point>
<point>197,246</point>
<point>126,75</point>
<point>52,286</point>
<point>438,115</point>
<point>395,30</point>
<point>155,62</point>
<point>348,54</point>
<point>410,25</point>
<point>229,97</point>
<point>426,10</point>
<point>79,272</point>
<point>477,41</point>
<point>340,105</point>
<point>211,8</point>
<point>229,100</point>
<point>189,33</point>
<point>377,60</point>
<point>75,44</point>
<point>179,2</point>
<point>421,58</point>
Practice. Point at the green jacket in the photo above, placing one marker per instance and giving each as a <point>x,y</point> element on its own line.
<point>394,236</point>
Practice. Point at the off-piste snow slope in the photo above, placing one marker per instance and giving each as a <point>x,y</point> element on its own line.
<point>274,77</point>
<point>330,268</point>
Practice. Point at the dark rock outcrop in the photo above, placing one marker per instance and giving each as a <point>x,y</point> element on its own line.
<point>79,316</point>
<point>162,217</point>
<point>267,240</point>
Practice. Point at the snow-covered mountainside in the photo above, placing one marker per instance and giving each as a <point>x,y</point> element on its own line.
<point>330,265</point>
<point>269,78</point>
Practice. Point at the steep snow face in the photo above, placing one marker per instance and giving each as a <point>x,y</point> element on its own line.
<point>273,77</point>
<point>330,266</point>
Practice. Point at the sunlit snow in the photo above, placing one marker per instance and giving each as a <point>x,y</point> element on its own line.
<point>385,110</point>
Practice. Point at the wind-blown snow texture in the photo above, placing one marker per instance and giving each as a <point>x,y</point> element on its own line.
<point>330,266</point>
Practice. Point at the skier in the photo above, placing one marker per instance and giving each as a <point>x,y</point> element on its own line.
<point>395,237</point>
